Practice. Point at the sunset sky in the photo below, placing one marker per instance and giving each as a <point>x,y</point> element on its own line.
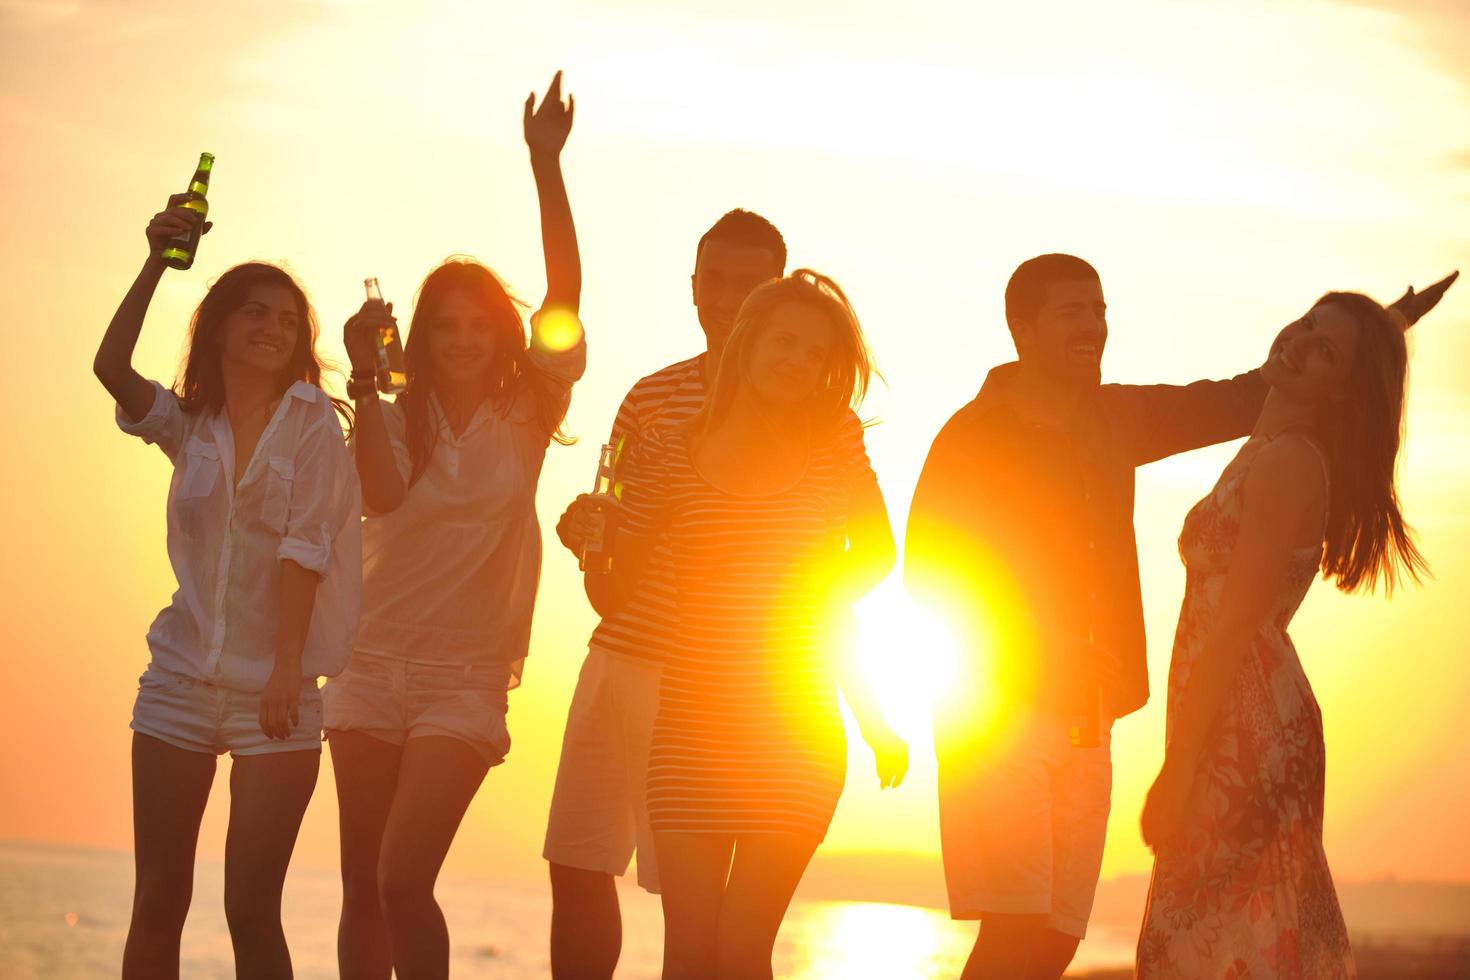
<point>1221,164</point>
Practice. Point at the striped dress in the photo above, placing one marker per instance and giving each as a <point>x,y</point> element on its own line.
<point>748,738</point>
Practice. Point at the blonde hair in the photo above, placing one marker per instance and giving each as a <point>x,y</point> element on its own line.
<point>849,367</point>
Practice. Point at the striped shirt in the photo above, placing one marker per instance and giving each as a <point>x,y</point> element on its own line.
<point>748,738</point>
<point>645,626</point>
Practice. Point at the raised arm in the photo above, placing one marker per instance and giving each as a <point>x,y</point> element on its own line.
<point>546,132</point>
<point>113,364</point>
<point>1283,489</point>
<point>1161,420</point>
<point>377,465</point>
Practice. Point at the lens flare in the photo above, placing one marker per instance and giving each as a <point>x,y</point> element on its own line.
<point>556,330</point>
<point>907,654</point>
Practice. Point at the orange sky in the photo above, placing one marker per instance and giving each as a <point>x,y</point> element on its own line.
<point>1222,166</point>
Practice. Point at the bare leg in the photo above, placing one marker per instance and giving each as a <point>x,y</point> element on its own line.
<point>1005,947</point>
<point>268,795</point>
<point>693,869</point>
<point>437,779</point>
<point>764,876</point>
<point>170,788</point>
<point>366,771</point>
<point>1053,954</point>
<point>586,924</point>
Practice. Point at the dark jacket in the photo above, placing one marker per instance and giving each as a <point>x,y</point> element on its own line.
<point>1021,537</point>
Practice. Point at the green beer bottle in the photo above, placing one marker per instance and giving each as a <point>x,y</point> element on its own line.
<point>181,248</point>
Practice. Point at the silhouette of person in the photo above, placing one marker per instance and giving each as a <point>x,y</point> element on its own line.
<point>1241,884</point>
<point>774,524</point>
<point>1021,535</point>
<point>451,562</point>
<point>265,546</point>
<point>598,817</point>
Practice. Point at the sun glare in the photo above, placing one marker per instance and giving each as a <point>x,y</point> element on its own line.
<point>556,330</point>
<point>907,655</point>
<point>861,940</point>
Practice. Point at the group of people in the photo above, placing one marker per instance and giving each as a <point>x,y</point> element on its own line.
<point>401,562</point>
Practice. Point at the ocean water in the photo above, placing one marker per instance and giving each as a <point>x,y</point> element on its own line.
<point>64,914</point>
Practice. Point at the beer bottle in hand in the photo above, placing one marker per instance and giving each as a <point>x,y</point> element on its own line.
<point>597,550</point>
<point>392,374</point>
<point>180,251</point>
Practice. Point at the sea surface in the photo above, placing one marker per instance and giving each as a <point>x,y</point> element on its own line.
<point>64,914</point>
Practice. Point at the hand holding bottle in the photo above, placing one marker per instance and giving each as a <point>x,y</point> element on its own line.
<point>170,223</point>
<point>361,332</point>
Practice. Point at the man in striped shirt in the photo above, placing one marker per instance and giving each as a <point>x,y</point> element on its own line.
<point>598,816</point>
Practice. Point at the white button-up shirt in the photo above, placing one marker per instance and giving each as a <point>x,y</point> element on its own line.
<point>298,498</point>
<point>450,576</point>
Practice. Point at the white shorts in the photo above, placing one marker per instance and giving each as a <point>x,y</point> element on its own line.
<point>599,816</point>
<point>197,716</point>
<point>395,700</point>
<point>1022,822</point>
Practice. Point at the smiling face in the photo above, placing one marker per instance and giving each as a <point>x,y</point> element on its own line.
<point>1066,336</point>
<point>461,340</point>
<point>724,275</point>
<point>1311,361</point>
<point>262,333</point>
<point>786,362</point>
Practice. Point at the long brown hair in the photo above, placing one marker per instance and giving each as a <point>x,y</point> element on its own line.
<point>849,367</point>
<point>200,386</point>
<point>510,371</point>
<point>1367,539</point>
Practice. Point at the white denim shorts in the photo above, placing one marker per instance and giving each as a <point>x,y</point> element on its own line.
<point>395,700</point>
<point>191,714</point>
<point>1022,822</point>
<point>599,816</point>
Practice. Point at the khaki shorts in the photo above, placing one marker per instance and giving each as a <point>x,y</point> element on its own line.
<point>395,700</point>
<point>1022,822</point>
<point>598,812</point>
<point>196,716</point>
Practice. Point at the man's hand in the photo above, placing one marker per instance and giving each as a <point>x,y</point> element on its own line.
<point>547,127</point>
<point>576,523</point>
<point>1411,306</point>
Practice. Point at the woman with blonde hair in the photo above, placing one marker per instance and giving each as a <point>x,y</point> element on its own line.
<point>776,524</point>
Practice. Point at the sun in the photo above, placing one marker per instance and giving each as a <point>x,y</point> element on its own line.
<point>907,655</point>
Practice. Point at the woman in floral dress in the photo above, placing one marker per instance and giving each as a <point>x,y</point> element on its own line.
<point>1241,886</point>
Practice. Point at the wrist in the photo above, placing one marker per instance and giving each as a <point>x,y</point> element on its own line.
<point>545,159</point>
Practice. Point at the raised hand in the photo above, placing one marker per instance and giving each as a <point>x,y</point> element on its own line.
<point>547,127</point>
<point>171,222</point>
<point>1411,306</point>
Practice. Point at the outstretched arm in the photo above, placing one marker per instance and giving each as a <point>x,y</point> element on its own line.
<point>113,364</point>
<point>1161,420</point>
<point>546,132</point>
<point>1411,306</point>
<point>1283,488</point>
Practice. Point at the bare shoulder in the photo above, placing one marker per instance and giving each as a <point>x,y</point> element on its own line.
<point>1287,472</point>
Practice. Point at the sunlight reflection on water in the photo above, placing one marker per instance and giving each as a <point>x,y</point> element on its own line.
<point>869,939</point>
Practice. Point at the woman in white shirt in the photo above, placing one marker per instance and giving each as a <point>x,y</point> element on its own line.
<point>265,545</point>
<point>451,560</point>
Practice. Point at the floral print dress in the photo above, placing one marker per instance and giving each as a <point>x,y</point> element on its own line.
<point>1247,894</point>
